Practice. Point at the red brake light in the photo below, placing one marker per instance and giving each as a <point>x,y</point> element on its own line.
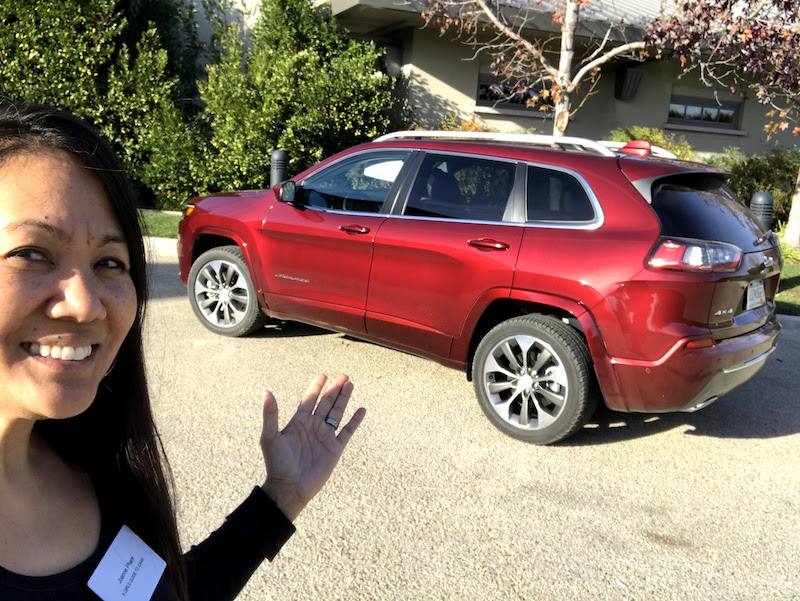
<point>639,148</point>
<point>681,254</point>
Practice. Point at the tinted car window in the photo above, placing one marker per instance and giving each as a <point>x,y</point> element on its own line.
<point>556,196</point>
<point>359,184</point>
<point>455,187</point>
<point>702,207</point>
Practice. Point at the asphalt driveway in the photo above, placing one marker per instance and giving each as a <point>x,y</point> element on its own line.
<point>431,502</point>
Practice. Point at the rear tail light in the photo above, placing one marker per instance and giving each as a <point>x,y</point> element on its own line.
<point>683,254</point>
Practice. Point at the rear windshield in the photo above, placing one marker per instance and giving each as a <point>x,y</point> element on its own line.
<point>700,206</point>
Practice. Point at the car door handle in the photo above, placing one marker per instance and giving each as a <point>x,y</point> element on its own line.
<point>488,244</point>
<point>354,229</point>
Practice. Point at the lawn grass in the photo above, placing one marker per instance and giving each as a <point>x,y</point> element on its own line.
<point>788,299</point>
<point>159,224</point>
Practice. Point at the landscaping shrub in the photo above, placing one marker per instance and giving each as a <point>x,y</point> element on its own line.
<point>302,86</point>
<point>455,123</point>
<point>676,145</point>
<point>775,172</point>
<point>72,54</point>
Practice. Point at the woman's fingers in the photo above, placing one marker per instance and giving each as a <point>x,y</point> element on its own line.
<point>337,395</point>
<point>347,432</point>
<point>336,411</point>
<point>332,404</point>
<point>270,427</point>
<point>311,395</point>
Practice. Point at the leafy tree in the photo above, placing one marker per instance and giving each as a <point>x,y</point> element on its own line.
<point>743,44</point>
<point>302,85</point>
<point>58,51</point>
<point>548,70</point>
<point>174,21</point>
<point>73,54</point>
<point>161,147</point>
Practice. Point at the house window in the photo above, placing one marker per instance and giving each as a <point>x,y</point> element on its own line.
<point>704,112</point>
<point>496,92</point>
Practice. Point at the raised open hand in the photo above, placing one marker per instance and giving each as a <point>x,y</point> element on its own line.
<point>301,457</point>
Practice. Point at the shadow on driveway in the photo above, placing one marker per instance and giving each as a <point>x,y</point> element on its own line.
<point>765,407</point>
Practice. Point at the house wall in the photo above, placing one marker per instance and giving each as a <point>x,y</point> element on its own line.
<point>441,81</point>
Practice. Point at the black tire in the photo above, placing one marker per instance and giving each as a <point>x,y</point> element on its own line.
<point>222,295</point>
<point>533,379</point>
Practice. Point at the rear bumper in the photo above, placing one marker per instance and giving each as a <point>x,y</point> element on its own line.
<point>690,379</point>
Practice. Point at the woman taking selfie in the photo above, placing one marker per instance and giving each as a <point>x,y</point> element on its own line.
<point>85,506</point>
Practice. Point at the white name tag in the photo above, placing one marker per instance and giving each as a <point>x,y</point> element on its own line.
<point>129,571</point>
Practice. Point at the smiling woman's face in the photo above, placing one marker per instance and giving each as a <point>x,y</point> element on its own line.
<point>67,299</point>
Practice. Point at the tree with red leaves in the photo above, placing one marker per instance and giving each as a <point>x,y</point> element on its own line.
<point>742,44</point>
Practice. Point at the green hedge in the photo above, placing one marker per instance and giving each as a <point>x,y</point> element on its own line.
<point>302,85</point>
<point>775,172</point>
<point>676,145</point>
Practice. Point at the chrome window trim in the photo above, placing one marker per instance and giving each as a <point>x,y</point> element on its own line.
<point>594,224</point>
<point>453,220</point>
<point>342,212</point>
<point>469,155</point>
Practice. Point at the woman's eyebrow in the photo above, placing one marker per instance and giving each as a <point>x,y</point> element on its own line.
<point>58,233</point>
<point>54,231</point>
<point>113,239</point>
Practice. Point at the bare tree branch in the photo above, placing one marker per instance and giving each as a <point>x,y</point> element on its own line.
<point>608,56</point>
<point>525,59</point>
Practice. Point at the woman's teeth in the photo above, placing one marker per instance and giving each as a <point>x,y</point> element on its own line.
<point>65,353</point>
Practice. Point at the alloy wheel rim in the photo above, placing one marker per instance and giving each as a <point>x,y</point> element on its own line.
<point>221,294</point>
<point>526,382</point>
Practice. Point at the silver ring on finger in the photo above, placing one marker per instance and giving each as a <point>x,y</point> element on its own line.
<point>332,422</point>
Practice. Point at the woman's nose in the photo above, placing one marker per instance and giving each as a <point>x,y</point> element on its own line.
<point>78,298</point>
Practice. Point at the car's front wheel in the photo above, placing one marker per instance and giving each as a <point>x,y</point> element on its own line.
<point>533,379</point>
<point>222,294</point>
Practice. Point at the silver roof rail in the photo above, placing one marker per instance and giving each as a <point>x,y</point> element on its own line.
<point>536,139</point>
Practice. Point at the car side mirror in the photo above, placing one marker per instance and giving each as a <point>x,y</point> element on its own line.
<point>287,191</point>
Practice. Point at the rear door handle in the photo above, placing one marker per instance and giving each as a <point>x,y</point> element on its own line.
<point>354,229</point>
<point>488,244</point>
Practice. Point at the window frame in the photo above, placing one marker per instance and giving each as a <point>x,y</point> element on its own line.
<point>513,213</point>
<point>397,184</point>
<point>599,215</point>
<point>487,79</point>
<point>703,104</point>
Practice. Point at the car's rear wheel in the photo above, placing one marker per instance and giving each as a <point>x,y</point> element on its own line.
<point>533,379</point>
<point>221,293</point>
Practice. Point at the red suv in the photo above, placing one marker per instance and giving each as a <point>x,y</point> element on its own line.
<point>554,272</point>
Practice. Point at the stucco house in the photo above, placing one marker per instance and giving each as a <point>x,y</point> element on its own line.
<point>441,77</point>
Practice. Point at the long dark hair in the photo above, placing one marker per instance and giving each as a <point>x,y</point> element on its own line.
<point>115,441</point>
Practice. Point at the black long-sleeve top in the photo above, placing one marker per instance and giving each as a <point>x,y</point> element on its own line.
<point>218,568</point>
